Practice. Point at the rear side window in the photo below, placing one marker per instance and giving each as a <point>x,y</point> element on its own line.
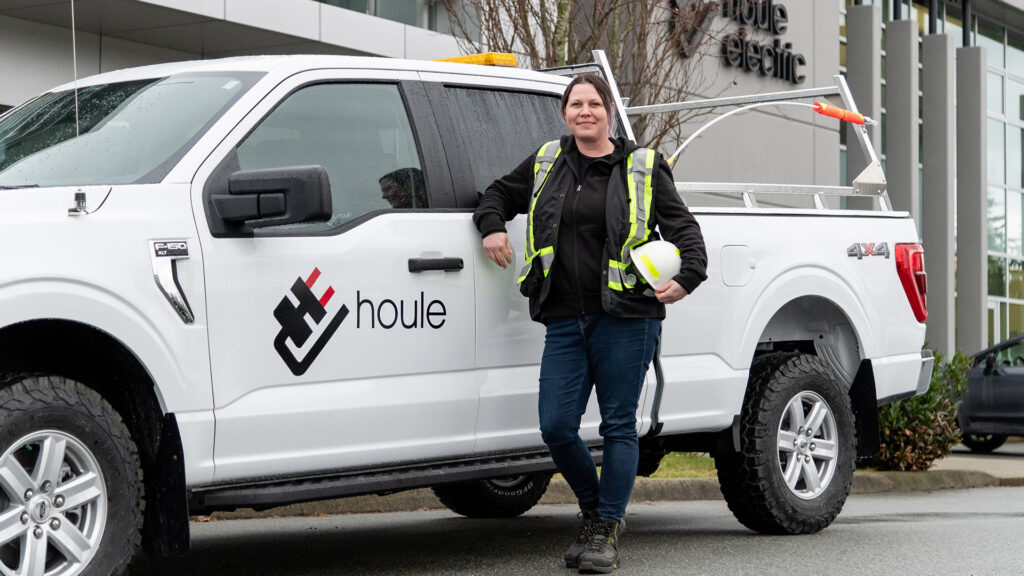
<point>359,133</point>
<point>498,129</point>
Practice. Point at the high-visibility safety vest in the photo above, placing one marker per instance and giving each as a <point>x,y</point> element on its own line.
<point>639,176</point>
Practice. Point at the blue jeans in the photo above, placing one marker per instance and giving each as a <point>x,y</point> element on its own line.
<point>612,354</point>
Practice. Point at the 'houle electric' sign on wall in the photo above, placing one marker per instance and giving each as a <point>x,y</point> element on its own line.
<point>739,49</point>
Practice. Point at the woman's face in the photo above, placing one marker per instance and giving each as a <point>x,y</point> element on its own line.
<point>585,114</point>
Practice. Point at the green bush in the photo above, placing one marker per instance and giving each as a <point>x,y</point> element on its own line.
<point>915,432</point>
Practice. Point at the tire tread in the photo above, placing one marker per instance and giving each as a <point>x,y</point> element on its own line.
<point>744,476</point>
<point>24,394</point>
<point>476,499</point>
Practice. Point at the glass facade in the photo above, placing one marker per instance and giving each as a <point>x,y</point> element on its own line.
<point>1005,53</point>
<point>1004,48</point>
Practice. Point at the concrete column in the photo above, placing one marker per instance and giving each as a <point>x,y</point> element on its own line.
<point>863,74</point>
<point>971,164</point>
<point>902,112</point>
<point>937,212</point>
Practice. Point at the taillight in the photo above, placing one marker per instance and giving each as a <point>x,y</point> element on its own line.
<point>910,265</point>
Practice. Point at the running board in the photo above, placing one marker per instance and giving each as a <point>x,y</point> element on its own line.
<point>393,479</point>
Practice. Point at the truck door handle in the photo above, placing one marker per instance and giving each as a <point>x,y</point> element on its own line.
<point>446,264</point>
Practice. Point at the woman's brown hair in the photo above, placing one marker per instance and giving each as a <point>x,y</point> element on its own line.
<point>603,90</point>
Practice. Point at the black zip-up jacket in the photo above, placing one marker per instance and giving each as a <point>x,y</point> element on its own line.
<point>588,216</point>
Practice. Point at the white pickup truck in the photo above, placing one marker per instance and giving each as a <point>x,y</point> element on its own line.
<point>255,281</point>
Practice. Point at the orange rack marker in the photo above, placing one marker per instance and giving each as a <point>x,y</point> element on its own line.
<point>841,114</point>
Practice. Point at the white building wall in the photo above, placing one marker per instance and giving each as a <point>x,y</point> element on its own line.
<point>36,56</point>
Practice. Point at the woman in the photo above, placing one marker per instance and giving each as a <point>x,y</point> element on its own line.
<point>601,329</point>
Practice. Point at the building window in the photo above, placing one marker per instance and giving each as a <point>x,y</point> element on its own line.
<point>411,12</point>
<point>1005,52</point>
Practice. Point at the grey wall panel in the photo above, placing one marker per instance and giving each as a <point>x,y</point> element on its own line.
<point>901,165</point>
<point>864,72</point>
<point>773,145</point>
<point>938,195</point>
<point>972,240</point>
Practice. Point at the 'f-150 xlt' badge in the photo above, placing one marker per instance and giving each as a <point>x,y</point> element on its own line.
<point>306,319</point>
<point>861,249</point>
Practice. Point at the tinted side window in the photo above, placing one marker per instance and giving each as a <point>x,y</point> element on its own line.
<point>499,129</point>
<point>359,133</point>
<point>1012,355</point>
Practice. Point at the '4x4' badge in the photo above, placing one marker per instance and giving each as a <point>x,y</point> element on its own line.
<point>861,249</point>
<point>296,328</point>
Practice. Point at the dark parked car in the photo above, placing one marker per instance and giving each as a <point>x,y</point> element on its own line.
<point>993,407</point>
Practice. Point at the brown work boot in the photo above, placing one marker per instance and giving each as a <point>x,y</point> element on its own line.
<point>602,552</point>
<point>588,517</point>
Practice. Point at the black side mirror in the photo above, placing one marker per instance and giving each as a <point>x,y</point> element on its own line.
<point>990,364</point>
<point>276,196</point>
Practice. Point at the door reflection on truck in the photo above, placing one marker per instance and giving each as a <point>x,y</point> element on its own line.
<point>296,329</point>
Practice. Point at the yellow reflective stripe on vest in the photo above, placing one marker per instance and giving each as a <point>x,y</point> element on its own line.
<point>541,168</point>
<point>547,256</point>
<point>618,278</point>
<point>542,165</point>
<point>639,185</point>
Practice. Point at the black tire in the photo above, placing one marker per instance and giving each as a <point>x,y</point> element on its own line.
<point>983,443</point>
<point>50,423</point>
<point>496,497</point>
<point>752,480</point>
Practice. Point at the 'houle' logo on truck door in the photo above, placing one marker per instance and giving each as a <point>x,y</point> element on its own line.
<point>311,320</point>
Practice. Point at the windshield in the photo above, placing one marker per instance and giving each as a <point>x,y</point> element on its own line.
<point>130,132</point>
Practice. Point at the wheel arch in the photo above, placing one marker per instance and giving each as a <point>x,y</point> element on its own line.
<point>817,325</point>
<point>100,361</point>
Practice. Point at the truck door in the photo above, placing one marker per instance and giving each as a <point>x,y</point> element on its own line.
<point>328,350</point>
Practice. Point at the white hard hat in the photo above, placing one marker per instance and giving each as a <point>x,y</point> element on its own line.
<point>657,261</point>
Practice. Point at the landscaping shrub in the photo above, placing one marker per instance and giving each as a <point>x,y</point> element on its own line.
<point>915,432</point>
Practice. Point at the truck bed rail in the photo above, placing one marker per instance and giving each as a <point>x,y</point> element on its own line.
<point>749,191</point>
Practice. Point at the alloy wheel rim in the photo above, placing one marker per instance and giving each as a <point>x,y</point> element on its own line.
<point>808,445</point>
<point>55,505</point>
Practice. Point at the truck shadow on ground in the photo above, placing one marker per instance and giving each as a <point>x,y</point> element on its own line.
<point>378,545</point>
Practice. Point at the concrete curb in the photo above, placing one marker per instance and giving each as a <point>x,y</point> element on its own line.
<point>646,490</point>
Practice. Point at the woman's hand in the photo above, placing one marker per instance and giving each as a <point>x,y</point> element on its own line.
<point>498,249</point>
<point>669,293</point>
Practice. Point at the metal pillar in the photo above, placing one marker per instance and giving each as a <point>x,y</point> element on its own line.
<point>968,16</point>
<point>902,142</point>
<point>938,192</point>
<point>971,219</point>
<point>863,73</point>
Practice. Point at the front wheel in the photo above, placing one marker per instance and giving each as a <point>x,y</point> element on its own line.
<point>70,482</point>
<point>496,497</point>
<point>797,448</point>
<point>983,442</point>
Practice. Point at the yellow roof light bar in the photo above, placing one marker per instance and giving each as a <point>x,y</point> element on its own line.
<point>486,59</point>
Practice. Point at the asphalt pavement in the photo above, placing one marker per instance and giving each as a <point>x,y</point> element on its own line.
<point>947,532</point>
<point>961,469</point>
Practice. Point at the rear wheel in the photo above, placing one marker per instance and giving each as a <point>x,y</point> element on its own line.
<point>983,442</point>
<point>496,497</point>
<point>797,448</point>
<point>70,482</point>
